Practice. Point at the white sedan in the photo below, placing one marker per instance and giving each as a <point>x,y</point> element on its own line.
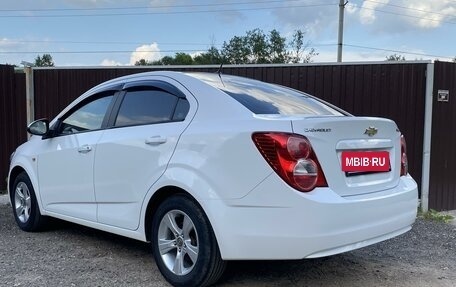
<point>211,168</point>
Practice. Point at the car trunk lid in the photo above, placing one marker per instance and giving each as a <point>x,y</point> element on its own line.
<point>332,136</point>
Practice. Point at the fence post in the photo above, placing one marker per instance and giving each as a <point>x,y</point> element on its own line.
<point>427,138</point>
<point>29,94</point>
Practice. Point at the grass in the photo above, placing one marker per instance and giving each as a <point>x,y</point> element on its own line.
<point>433,215</point>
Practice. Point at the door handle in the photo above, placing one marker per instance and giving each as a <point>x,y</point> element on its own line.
<point>84,149</point>
<point>156,140</point>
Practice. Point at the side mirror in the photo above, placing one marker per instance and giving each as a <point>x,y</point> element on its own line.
<point>39,127</point>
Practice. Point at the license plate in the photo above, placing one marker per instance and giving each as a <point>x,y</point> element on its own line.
<point>365,161</point>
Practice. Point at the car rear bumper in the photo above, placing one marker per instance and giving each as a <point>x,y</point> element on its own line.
<point>276,222</point>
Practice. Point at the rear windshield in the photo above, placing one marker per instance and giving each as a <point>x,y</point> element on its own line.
<point>264,98</point>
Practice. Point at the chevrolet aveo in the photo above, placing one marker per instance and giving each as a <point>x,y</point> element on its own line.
<point>211,168</point>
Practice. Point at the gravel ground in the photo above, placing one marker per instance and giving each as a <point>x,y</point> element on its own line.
<point>71,255</point>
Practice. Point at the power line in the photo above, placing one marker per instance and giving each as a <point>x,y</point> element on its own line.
<point>398,51</point>
<point>147,7</point>
<point>452,1</point>
<point>105,42</point>
<point>197,5</point>
<point>121,43</point>
<point>408,15</point>
<point>213,11</point>
<point>196,50</point>
<point>96,52</point>
<point>164,13</point>
<point>116,51</point>
<point>410,8</point>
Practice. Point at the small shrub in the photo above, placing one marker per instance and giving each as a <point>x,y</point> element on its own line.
<point>433,215</point>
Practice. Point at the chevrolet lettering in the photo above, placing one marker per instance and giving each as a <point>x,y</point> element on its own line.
<point>312,130</point>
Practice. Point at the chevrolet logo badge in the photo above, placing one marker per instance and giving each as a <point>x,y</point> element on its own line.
<point>371,131</point>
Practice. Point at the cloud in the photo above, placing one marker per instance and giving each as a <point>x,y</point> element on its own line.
<point>230,17</point>
<point>353,54</point>
<point>19,45</point>
<point>379,16</point>
<point>351,8</point>
<point>163,4</point>
<point>445,10</point>
<point>155,3</point>
<point>405,14</point>
<point>147,52</point>
<point>9,44</point>
<point>87,3</point>
<point>109,62</point>
<point>367,13</point>
<point>349,56</point>
<point>197,53</point>
<point>304,16</point>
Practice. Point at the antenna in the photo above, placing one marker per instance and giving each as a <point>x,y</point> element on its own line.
<point>219,71</point>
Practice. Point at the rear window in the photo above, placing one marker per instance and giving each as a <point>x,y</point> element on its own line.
<point>264,98</point>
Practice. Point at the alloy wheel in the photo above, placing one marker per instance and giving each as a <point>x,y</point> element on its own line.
<point>22,202</point>
<point>178,242</point>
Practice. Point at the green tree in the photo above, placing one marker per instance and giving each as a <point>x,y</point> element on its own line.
<point>177,59</point>
<point>44,61</point>
<point>277,48</point>
<point>255,47</point>
<point>166,60</point>
<point>258,48</point>
<point>212,56</point>
<point>183,59</point>
<point>301,52</point>
<point>143,62</point>
<point>395,57</point>
<point>236,50</point>
<point>258,44</point>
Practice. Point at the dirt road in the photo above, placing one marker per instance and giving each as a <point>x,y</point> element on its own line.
<point>71,255</point>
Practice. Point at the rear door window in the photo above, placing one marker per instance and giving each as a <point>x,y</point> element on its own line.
<point>142,106</point>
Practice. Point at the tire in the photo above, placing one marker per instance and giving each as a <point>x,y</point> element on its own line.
<point>192,258</point>
<point>25,206</point>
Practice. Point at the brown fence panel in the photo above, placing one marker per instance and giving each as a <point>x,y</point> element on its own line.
<point>56,88</point>
<point>394,91</point>
<point>12,116</point>
<point>442,181</point>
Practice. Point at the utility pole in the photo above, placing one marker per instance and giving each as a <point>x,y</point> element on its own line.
<point>342,4</point>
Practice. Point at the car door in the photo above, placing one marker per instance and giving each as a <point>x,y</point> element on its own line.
<point>134,153</point>
<point>65,165</point>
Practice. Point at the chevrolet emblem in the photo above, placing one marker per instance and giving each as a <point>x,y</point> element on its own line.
<point>371,131</point>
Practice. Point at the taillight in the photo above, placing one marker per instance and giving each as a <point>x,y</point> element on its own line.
<point>292,158</point>
<point>404,160</point>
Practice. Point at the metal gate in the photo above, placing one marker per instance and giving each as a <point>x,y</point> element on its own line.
<point>384,89</point>
<point>442,186</point>
<point>391,90</point>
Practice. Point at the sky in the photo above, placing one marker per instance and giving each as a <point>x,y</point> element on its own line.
<point>120,32</point>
